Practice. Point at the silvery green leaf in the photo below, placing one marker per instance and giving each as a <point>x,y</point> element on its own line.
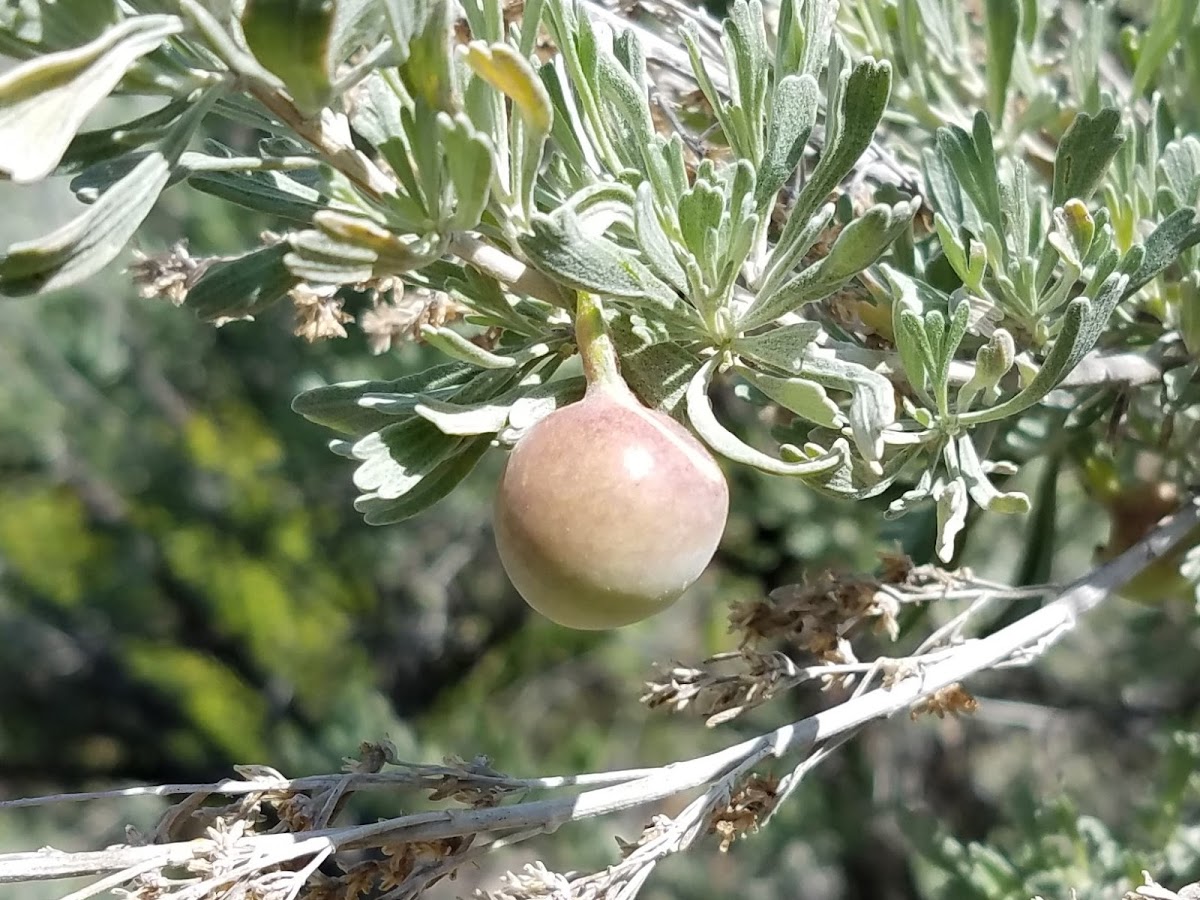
<point>981,489</point>
<point>802,44</point>
<point>510,73</point>
<point>628,51</point>
<point>538,403</point>
<point>275,193</point>
<point>90,184</point>
<point>872,401</point>
<point>396,458</point>
<point>784,348</point>
<point>1177,232</point>
<point>992,362</point>
<point>456,346</point>
<point>1081,326</point>
<point>470,165</point>
<point>291,39</point>
<point>912,300</point>
<point>699,215</point>
<point>349,249</point>
<point>1179,171</point>
<point>972,159</point>
<point>560,248</point>
<point>864,93</point>
<point>85,245</point>
<point>44,101</point>
<point>241,287</point>
<point>357,24</point>
<point>626,113</point>
<point>793,113</point>
<point>1002,20</point>
<point>743,40</point>
<point>432,487</point>
<point>360,407</point>
<point>856,480</point>
<point>483,294</point>
<point>805,398</point>
<point>727,444</point>
<point>720,107</point>
<point>906,502</point>
<point>857,246</point>
<point>422,26</point>
<point>866,238</point>
<point>1084,153</point>
<point>456,419</point>
<point>951,500</point>
<point>658,371</point>
<point>600,206</point>
<point>653,240</point>
<point>90,147</point>
<point>1076,230</point>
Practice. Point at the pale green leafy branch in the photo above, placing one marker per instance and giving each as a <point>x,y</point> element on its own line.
<point>506,168</point>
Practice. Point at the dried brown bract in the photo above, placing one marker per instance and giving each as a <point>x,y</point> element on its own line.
<point>747,807</point>
<point>816,615</point>
<point>723,695</point>
<point>951,700</point>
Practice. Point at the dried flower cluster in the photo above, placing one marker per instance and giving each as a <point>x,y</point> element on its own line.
<point>953,701</point>
<point>753,800</point>
<point>720,695</point>
<point>817,615</point>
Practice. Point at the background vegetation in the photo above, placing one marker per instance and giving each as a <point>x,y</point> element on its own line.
<point>184,586</point>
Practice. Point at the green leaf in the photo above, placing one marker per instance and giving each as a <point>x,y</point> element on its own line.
<point>84,246</point>
<point>421,27</point>
<point>434,486</point>
<point>855,480</point>
<point>981,489</point>
<point>783,348</point>
<point>395,459</point>
<point>470,165</point>
<point>872,399</point>
<point>272,192</point>
<point>658,372</point>
<point>805,398</point>
<point>864,95</point>
<point>951,501</point>
<point>43,102</point>
<point>559,247</point>
<point>973,161</point>
<point>1177,232</point>
<point>458,347</point>
<point>360,407</point>
<point>346,249</point>
<point>1084,153</point>
<point>1081,326</point>
<point>1171,19</point>
<point>793,113</point>
<point>291,39</point>
<point>519,409</point>
<point>653,241</point>
<point>90,147</point>
<point>1003,21</point>
<point>857,246</point>
<point>243,286</point>
<point>724,442</point>
<point>357,24</point>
